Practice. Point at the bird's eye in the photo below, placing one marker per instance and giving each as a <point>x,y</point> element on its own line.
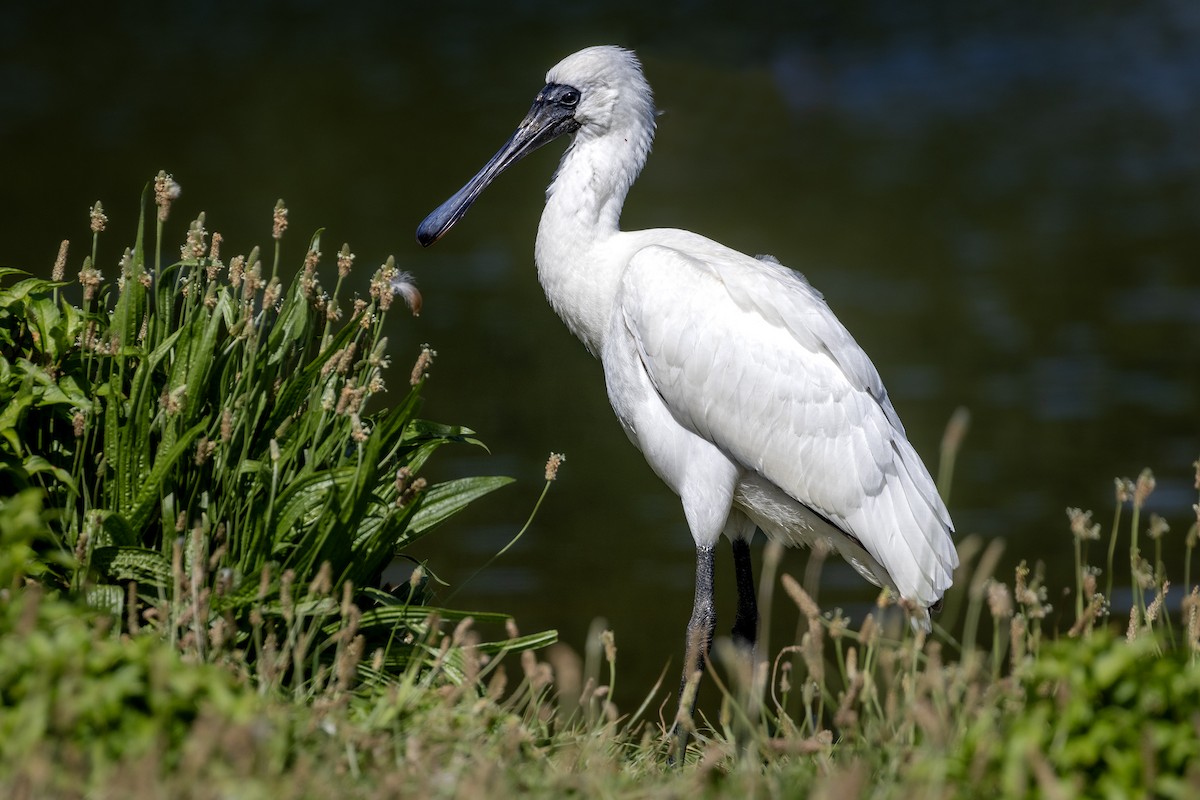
<point>570,98</point>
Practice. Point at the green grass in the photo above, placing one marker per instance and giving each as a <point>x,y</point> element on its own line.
<point>192,528</point>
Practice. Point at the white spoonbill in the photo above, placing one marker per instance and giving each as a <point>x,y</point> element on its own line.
<point>744,392</point>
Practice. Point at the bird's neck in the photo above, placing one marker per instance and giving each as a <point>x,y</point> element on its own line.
<point>579,262</point>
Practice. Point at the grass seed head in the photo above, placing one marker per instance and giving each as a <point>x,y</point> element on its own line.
<point>1144,488</point>
<point>1081,524</point>
<point>274,289</point>
<point>1143,573</point>
<point>999,600</point>
<point>1094,609</point>
<point>322,584</point>
<point>1191,617</point>
<point>552,464</point>
<point>358,432</point>
<point>99,218</point>
<point>1016,639</point>
<point>166,191</point>
<point>279,220</point>
<point>801,598</point>
<point>1158,526</point>
<point>124,268</point>
<point>407,489</point>
<point>204,449</point>
<point>236,269</point>
<point>403,476</point>
<point>90,277</point>
<point>609,640</point>
<point>60,263</point>
<point>351,399</point>
<point>252,280</point>
<point>81,545</point>
<point>420,369</point>
<point>1156,605</point>
<point>839,623</point>
<point>345,261</point>
<point>812,648</point>
<point>1131,632</point>
<point>381,284</point>
<point>214,255</point>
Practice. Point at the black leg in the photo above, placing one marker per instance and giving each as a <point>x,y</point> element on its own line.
<point>699,638</point>
<point>745,624</point>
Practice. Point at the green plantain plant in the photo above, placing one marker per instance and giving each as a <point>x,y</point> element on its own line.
<point>201,434</point>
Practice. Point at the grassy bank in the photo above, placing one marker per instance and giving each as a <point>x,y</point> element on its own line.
<point>200,488</point>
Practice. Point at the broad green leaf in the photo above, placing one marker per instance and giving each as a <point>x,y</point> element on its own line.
<point>12,439</point>
<point>21,290</point>
<point>16,407</point>
<point>200,359</point>
<point>425,429</point>
<point>533,641</point>
<point>35,464</point>
<point>131,304</point>
<point>164,349</point>
<point>73,392</point>
<point>153,487</point>
<point>444,500</point>
<point>108,598</point>
<point>297,389</point>
<point>44,316</point>
<point>306,498</point>
<point>389,617</point>
<point>118,530</point>
<point>119,491</point>
<point>291,329</point>
<point>122,563</point>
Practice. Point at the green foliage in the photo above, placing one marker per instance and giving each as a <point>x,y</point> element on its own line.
<point>37,399</point>
<point>874,711</point>
<point>85,708</point>
<point>21,528</point>
<point>219,505</point>
<point>67,686</point>
<point>202,435</point>
<point>1110,716</point>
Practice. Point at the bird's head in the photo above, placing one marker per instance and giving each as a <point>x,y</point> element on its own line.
<point>597,91</point>
<point>612,91</point>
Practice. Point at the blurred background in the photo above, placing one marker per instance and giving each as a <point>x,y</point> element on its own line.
<point>1001,201</point>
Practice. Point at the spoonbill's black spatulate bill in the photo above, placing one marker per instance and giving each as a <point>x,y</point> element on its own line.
<point>744,392</point>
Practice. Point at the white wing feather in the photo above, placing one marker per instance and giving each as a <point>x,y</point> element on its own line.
<point>751,358</point>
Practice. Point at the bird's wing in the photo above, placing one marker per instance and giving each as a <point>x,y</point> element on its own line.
<point>747,355</point>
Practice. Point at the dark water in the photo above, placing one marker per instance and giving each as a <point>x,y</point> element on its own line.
<point>1002,204</point>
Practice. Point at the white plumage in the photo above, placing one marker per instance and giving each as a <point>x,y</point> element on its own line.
<point>744,392</point>
<point>789,414</point>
